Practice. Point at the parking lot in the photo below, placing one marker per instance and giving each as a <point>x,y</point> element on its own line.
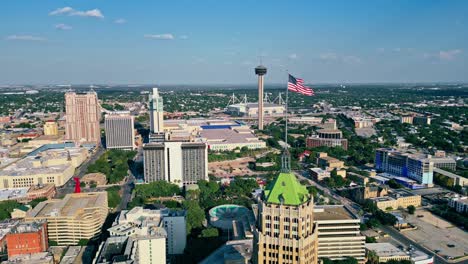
<point>437,234</point>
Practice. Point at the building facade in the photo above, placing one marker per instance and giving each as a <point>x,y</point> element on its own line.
<point>119,131</point>
<point>286,229</point>
<point>181,163</point>
<point>460,204</point>
<point>75,217</point>
<point>156,109</point>
<point>82,117</point>
<point>327,138</point>
<point>54,166</point>
<point>27,238</point>
<point>416,167</point>
<point>50,128</point>
<point>339,235</point>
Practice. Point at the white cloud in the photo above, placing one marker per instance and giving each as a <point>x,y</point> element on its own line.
<point>59,11</point>
<point>160,36</point>
<point>293,56</point>
<point>183,37</point>
<point>25,38</point>
<point>120,21</point>
<point>448,54</point>
<point>352,59</point>
<point>63,27</point>
<point>72,12</point>
<point>89,13</point>
<point>381,50</point>
<point>328,56</point>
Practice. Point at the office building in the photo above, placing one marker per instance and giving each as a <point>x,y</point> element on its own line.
<point>27,238</point>
<point>181,163</point>
<point>327,138</point>
<point>119,131</point>
<point>156,112</point>
<point>51,128</point>
<point>75,217</point>
<point>136,221</point>
<point>82,117</point>
<point>285,219</point>
<point>339,235</point>
<point>411,164</point>
<point>145,235</point>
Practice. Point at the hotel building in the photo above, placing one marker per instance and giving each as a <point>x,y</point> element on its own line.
<point>82,117</point>
<point>181,163</point>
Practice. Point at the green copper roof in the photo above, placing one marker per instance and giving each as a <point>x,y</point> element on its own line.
<point>287,190</point>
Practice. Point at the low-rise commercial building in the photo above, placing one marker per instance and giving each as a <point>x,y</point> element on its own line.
<point>231,138</point>
<point>397,199</point>
<point>460,204</point>
<point>319,174</point>
<point>27,238</point>
<point>331,163</point>
<point>54,166</point>
<point>75,217</point>
<point>386,252</point>
<point>329,123</point>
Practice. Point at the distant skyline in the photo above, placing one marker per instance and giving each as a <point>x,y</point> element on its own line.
<point>220,42</point>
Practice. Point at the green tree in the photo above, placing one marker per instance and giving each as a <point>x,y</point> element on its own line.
<point>209,232</point>
<point>195,215</point>
<point>6,207</point>
<point>411,209</point>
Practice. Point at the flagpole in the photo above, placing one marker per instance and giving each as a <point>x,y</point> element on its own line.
<point>286,114</point>
<point>286,159</point>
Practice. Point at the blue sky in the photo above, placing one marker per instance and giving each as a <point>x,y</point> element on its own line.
<point>217,42</point>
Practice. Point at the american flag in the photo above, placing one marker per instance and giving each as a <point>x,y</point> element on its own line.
<point>297,85</point>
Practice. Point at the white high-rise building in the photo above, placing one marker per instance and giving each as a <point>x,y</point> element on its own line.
<point>156,112</point>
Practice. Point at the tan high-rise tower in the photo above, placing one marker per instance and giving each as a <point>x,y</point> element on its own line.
<point>82,117</point>
<point>286,230</point>
<point>260,71</point>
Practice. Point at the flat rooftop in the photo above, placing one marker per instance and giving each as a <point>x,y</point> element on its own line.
<point>72,205</point>
<point>385,249</point>
<point>11,194</point>
<point>332,212</point>
<point>223,136</point>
